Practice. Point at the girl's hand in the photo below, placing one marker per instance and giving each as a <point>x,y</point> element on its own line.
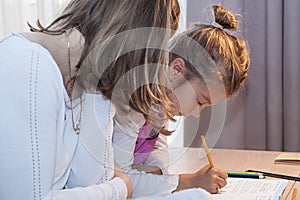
<point>119,173</point>
<point>210,179</point>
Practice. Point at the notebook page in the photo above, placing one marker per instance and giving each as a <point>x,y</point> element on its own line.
<point>252,189</point>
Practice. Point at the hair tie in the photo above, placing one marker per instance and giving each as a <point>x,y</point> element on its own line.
<point>217,25</point>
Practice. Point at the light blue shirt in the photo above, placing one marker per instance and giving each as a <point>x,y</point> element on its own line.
<point>40,155</point>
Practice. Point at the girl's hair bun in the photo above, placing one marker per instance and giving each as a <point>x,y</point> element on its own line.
<point>225,18</point>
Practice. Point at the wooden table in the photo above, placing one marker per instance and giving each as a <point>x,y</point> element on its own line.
<point>187,160</point>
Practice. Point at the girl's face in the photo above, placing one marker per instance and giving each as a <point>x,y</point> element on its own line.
<point>192,97</point>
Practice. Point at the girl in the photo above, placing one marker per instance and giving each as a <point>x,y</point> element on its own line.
<point>199,78</point>
<point>49,126</point>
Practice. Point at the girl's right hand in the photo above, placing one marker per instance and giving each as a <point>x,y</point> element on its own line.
<point>119,173</point>
<point>210,179</point>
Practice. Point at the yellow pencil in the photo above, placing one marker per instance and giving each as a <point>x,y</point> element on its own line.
<point>211,163</point>
<point>294,195</point>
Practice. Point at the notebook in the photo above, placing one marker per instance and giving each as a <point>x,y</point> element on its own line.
<point>288,158</point>
<point>251,189</point>
<point>236,189</point>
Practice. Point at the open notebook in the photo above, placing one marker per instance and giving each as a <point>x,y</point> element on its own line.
<point>252,189</point>
<point>236,189</point>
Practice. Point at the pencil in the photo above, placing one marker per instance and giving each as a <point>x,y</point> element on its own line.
<point>245,175</point>
<point>292,178</point>
<point>211,163</point>
<point>294,194</point>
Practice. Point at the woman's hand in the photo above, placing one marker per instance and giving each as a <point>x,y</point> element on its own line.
<point>119,173</point>
<point>210,179</point>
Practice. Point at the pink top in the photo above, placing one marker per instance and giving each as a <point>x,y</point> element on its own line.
<point>144,144</point>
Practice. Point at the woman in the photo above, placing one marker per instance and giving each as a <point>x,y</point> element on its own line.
<point>49,126</point>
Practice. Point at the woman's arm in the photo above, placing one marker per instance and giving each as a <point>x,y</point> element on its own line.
<point>35,153</point>
<point>92,161</point>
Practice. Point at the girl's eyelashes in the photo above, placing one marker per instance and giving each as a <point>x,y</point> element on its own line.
<point>199,103</point>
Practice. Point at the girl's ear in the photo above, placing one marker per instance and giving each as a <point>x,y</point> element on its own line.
<point>178,67</point>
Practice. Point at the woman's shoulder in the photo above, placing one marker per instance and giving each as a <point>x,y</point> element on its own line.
<point>18,43</point>
<point>18,48</point>
<point>21,57</point>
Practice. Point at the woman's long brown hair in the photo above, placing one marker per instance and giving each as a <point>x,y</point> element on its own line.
<point>100,21</point>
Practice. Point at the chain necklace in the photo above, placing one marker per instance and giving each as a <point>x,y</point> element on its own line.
<point>75,125</point>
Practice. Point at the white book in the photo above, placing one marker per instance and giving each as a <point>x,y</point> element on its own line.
<point>236,189</point>
<point>252,189</point>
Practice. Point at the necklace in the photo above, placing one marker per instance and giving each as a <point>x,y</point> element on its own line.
<point>75,125</point>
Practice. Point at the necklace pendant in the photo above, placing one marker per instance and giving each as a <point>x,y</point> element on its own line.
<point>77,129</point>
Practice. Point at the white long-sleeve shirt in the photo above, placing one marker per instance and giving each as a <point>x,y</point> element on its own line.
<point>143,184</point>
<point>40,155</point>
